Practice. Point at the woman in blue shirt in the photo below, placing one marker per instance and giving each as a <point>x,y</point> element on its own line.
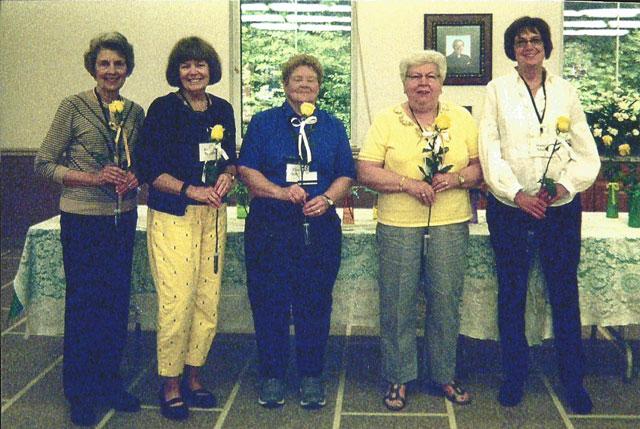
<point>186,223</point>
<point>296,161</point>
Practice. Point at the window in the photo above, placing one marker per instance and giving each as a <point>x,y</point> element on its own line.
<point>601,51</point>
<point>271,32</point>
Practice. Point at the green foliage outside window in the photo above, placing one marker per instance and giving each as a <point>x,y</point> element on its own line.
<point>610,104</point>
<point>263,53</point>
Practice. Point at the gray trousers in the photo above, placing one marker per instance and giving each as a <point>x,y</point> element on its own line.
<point>403,255</point>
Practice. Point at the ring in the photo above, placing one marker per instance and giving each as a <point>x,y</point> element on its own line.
<point>318,211</point>
<point>423,195</point>
<point>446,183</point>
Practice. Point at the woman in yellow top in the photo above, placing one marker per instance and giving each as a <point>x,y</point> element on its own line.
<point>423,214</point>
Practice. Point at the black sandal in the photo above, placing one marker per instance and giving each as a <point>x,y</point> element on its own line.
<point>199,398</point>
<point>173,409</point>
<point>458,394</point>
<point>393,394</point>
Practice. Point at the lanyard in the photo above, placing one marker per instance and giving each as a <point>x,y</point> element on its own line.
<point>544,92</point>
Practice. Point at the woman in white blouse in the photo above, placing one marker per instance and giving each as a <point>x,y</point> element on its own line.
<point>518,135</point>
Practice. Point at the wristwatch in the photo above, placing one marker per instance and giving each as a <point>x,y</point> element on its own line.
<point>329,200</point>
<point>460,180</point>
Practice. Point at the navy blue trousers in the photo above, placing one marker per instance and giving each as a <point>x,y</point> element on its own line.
<point>284,278</point>
<point>516,237</point>
<point>97,260</point>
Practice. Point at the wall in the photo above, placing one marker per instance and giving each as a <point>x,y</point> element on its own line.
<point>42,45</point>
<point>390,30</point>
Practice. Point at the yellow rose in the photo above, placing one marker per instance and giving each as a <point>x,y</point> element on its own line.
<point>442,122</point>
<point>563,124</point>
<point>116,106</point>
<point>607,140</point>
<point>624,149</point>
<point>307,109</point>
<point>217,132</point>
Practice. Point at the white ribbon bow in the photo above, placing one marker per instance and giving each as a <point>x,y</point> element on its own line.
<point>219,152</point>
<point>302,135</point>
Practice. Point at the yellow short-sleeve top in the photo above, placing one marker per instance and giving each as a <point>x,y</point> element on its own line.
<point>397,141</point>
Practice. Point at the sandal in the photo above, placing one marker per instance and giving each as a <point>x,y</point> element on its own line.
<point>393,394</point>
<point>456,393</point>
<point>173,409</point>
<point>199,398</point>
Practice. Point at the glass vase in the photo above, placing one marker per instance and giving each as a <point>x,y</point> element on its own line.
<point>612,199</point>
<point>634,209</point>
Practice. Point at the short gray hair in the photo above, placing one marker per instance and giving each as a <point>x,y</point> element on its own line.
<point>113,41</point>
<point>424,57</point>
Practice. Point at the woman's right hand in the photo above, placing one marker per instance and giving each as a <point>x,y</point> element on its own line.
<point>294,194</point>
<point>204,194</point>
<point>420,190</point>
<point>112,175</point>
<point>531,205</point>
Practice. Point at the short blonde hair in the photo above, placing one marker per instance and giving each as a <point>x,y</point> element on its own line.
<point>421,58</point>
<point>301,60</point>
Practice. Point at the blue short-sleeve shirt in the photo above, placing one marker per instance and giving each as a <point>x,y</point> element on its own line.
<point>271,142</point>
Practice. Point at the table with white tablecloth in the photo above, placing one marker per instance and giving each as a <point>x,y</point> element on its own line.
<point>609,279</point>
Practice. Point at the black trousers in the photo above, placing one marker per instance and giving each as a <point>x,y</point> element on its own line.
<point>97,260</point>
<point>285,277</point>
<point>516,237</point>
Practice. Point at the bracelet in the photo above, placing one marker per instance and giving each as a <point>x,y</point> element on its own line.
<point>401,186</point>
<point>183,190</point>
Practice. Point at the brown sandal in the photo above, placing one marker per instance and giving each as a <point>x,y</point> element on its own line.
<point>456,393</point>
<point>393,394</point>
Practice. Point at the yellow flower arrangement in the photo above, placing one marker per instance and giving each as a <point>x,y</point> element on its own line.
<point>562,124</point>
<point>442,122</point>
<point>307,109</point>
<point>217,132</point>
<point>607,140</point>
<point>116,106</point>
<point>624,149</point>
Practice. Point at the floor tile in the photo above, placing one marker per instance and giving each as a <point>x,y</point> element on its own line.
<point>536,410</point>
<point>152,419</point>
<point>23,360</point>
<point>247,413</point>
<point>364,387</point>
<point>395,421</point>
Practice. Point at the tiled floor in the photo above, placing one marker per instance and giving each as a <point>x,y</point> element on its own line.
<point>32,392</point>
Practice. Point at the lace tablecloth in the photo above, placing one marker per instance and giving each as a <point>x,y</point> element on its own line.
<point>609,279</point>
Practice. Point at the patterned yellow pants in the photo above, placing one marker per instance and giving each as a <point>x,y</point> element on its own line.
<point>181,258</point>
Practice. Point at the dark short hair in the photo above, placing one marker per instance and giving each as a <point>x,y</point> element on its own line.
<point>192,48</point>
<point>301,60</point>
<point>527,23</point>
<point>113,41</point>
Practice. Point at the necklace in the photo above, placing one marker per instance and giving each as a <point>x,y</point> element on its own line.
<point>186,100</point>
<point>416,119</point>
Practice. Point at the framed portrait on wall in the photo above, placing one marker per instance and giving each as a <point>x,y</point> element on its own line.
<point>465,39</point>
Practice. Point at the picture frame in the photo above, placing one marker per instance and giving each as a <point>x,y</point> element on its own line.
<point>465,39</point>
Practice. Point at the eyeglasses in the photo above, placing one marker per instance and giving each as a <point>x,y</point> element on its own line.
<point>418,77</point>
<point>535,42</point>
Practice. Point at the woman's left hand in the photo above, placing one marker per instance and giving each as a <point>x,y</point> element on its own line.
<point>224,184</point>
<point>445,181</point>
<point>130,182</point>
<point>316,206</point>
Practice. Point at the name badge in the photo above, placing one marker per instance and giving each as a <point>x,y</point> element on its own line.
<point>208,152</point>
<point>301,174</point>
